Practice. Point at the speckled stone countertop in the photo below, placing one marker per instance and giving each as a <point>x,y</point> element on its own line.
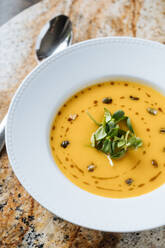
<point>23,222</point>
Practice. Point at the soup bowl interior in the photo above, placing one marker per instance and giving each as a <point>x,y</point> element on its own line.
<point>31,113</point>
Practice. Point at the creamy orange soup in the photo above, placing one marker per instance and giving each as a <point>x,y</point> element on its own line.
<point>144,166</point>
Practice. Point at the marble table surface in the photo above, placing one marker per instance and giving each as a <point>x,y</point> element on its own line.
<point>23,221</point>
<point>10,8</point>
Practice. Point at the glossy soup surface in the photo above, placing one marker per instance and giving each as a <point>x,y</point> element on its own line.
<point>106,180</point>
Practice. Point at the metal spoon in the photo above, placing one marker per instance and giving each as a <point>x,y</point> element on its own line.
<point>55,36</point>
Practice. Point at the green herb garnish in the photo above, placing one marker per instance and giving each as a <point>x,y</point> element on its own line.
<point>111,139</point>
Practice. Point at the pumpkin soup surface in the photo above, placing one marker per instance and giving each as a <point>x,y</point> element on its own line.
<point>140,170</point>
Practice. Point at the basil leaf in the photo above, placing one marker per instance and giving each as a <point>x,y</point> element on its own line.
<point>113,132</point>
<point>100,133</point>
<point>134,142</point>
<point>118,154</point>
<point>111,124</point>
<point>106,148</point>
<point>99,144</point>
<point>121,119</point>
<point>91,117</point>
<point>116,138</point>
<point>107,115</point>
<point>106,128</point>
<point>114,143</point>
<point>139,142</point>
<point>129,125</point>
<point>121,143</point>
<point>121,132</point>
<point>131,141</point>
<point>118,115</point>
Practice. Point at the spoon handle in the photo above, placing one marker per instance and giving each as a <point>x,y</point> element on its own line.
<point>2,132</point>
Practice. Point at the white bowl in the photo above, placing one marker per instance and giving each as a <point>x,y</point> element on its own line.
<point>30,116</point>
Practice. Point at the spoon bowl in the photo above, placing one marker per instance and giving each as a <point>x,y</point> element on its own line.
<point>55,36</point>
